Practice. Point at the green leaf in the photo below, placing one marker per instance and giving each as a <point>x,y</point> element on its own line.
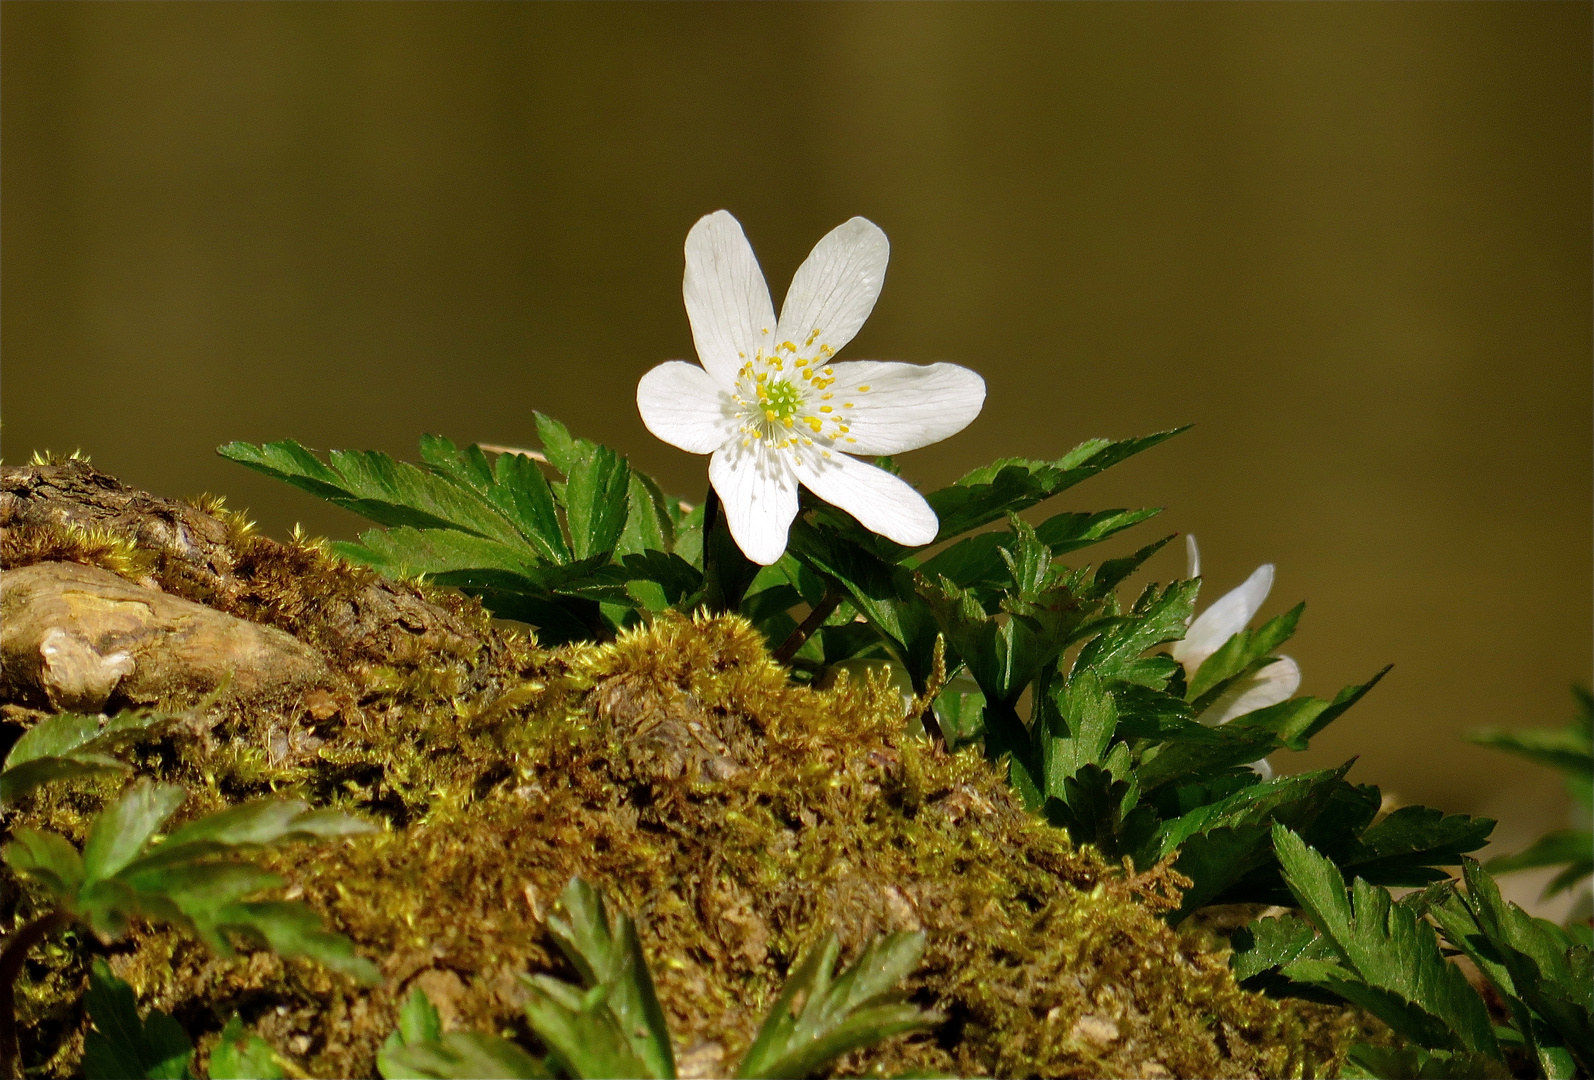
<point>608,954</point>
<point>1011,485</point>
<point>1158,617</point>
<point>121,1045</point>
<point>460,1055</point>
<point>1404,847</point>
<point>418,1019</point>
<point>120,832</point>
<point>1367,1062</point>
<point>1567,749</point>
<point>1389,960</point>
<point>242,1055</point>
<point>1552,849</point>
<point>647,525</point>
<point>376,487</point>
<point>268,821</point>
<point>816,1020</point>
<point>69,746</point>
<point>582,1033</point>
<point>1296,721</point>
<point>292,929</point>
<point>976,560</point>
<point>1554,976</point>
<point>48,859</point>
<point>597,501</point>
<point>1268,944</point>
<point>562,449</point>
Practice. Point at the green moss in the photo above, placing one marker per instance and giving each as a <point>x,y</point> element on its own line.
<point>736,815</point>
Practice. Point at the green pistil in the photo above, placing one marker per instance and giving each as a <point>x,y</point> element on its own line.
<point>780,400</point>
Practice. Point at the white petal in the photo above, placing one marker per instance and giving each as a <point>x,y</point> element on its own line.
<point>906,406</point>
<point>1262,769</point>
<point>1192,557</point>
<point>1276,682</point>
<point>882,503</point>
<point>758,494</point>
<point>1223,619</point>
<point>726,298</point>
<point>835,288</point>
<point>682,404</point>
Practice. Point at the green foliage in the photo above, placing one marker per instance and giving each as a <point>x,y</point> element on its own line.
<point>612,1026</point>
<point>120,1045</point>
<point>1571,750</point>
<point>1385,957</point>
<point>192,878</point>
<point>242,1055</point>
<point>818,1018</point>
<point>1110,748</point>
<point>419,1049</point>
<point>69,746</point>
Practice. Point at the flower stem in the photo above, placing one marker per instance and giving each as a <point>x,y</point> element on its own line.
<point>17,945</point>
<point>816,618</point>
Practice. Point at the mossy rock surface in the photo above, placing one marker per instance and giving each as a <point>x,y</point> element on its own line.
<point>737,816</point>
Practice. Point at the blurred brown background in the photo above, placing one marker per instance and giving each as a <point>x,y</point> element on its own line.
<point>1351,242</point>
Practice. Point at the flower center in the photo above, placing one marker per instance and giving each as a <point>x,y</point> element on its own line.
<point>788,407</point>
<point>780,401</point>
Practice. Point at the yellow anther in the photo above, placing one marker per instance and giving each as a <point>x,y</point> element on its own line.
<point>769,414</point>
<point>852,440</point>
<point>824,408</point>
<point>788,419</point>
<point>788,346</point>
<point>762,375</point>
<point>811,337</point>
<point>825,452</point>
<point>863,389</point>
<point>848,405</point>
<point>826,397</point>
<point>843,428</point>
<point>813,422</point>
<point>765,330</point>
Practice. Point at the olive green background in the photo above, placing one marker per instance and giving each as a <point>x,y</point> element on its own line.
<point>1350,242</point>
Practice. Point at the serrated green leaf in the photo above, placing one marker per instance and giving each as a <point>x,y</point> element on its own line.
<point>1159,618</point>
<point>241,1055</point>
<point>561,448</point>
<point>48,859</point>
<point>377,487</point>
<point>647,525</point>
<point>1405,846</point>
<point>1389,960</point>
<point>1296,721</point>
<point>1554,976</point>
<point>69,746</point>
<point>859,1008</point>
<point>1012,485</point>
<point>122,1046</point>
<point>122,829</point>
<point>597,502</point>
<point>1268,944</point>
<point>607,953</point>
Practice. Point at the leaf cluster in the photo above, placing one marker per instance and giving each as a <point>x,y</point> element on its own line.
<point>122,1045</point>
<point>980,621</point>
<point>611,1025</point>
<point>194,877</point>
<point>70,746</point>
<point>1570,750</point>
<point>1386,956</point>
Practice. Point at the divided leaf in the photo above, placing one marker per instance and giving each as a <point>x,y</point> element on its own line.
<point>816,1019</point>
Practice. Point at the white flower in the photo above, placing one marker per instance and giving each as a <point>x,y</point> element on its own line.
<point>1275,682</point>
<point>775,410</point>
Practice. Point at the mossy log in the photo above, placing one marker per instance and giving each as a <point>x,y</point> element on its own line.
<point>737,816</point>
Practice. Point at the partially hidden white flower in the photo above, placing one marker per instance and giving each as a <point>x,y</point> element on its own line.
<point>775,410</point>
<point>1275,682</point>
